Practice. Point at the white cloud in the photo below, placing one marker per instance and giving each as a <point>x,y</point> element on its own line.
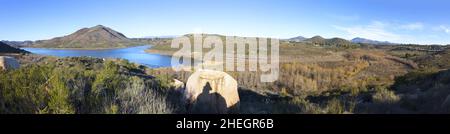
<point>445,29</point>
<point>376,30</point>
<point>412,26</point>
<point>397,32</point>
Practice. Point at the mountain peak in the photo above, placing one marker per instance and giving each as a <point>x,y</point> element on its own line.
<point>297,39</point>
<point>318,37</point>
<point>95,37</point>
<point>99,25</point>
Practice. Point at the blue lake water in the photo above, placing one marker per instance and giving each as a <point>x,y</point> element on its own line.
<point>133,54</point>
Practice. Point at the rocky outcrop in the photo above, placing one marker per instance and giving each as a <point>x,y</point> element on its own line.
<point>212,92</point>
<point>8,63</point>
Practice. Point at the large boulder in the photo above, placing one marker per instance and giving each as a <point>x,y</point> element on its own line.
<point>211,92</point>
<point>8,63</point>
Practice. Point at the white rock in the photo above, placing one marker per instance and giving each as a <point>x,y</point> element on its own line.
<point>8,63</point>
<point>217,86</point>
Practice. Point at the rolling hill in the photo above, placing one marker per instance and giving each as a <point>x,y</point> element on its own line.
<point>335,42</point>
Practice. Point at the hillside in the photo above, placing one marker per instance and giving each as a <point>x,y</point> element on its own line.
<point>84,85</point>
<point>4,48</point>
<point>316,39</point>
<point>424,91</point>
<point>438,60</point>
<point>333,42</point>
<point>97,37</point>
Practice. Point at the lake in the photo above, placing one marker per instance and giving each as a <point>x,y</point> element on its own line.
<point>133,54</point>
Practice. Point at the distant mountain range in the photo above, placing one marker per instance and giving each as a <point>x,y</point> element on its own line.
<point>90,38</point>
<point>368,41</point>
<point>18,44</point>
<point>99,37</point>
<point>297,39</point>
<point>319,39</point>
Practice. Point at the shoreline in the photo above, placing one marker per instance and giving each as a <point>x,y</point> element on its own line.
<point>86,48</point>
<point>160,52</point>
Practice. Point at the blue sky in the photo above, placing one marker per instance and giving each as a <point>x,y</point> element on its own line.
<point>401,21</point>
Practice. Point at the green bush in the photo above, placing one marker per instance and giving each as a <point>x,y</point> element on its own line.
<point>58,95</point>
<point>23,90</point>
<point>66,86</point>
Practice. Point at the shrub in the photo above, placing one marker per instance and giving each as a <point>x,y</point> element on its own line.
<point>58,92</point>
<point>136,98</point>
<point>66,86</point>
<point>335,106</point>
<point>22,91</point>
<point>384,95</point>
